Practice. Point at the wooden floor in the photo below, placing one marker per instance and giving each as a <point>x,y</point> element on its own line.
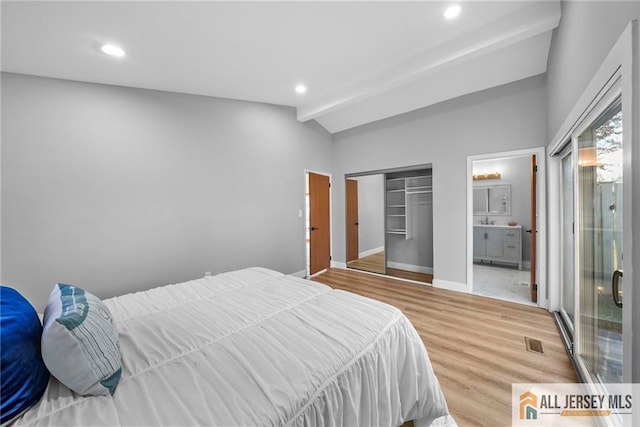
<point>411,275</point>
<point>476,344</point>
<point>375,264</point>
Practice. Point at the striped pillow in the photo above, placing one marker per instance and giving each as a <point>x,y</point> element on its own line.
<point>80,342</point>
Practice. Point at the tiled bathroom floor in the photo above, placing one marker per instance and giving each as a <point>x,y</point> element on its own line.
<point>502,283</point>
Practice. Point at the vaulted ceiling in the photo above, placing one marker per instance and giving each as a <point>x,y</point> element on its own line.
<point>360,61</point>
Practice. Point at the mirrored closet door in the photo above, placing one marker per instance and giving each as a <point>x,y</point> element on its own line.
<point>365,223</point>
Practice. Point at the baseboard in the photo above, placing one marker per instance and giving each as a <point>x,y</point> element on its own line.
<point>333,264</point>
<point>451,286</point>
<point>302,274</point>
<point>371,252</point>
<point>410,267</point>
<point>339,264</point>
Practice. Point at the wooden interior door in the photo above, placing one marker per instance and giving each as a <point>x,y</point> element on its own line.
<point>353,251</point>
<point>319,232</point>
<point>534,230</point>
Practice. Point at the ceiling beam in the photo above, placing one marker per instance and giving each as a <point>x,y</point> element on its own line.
<point>524,24</point>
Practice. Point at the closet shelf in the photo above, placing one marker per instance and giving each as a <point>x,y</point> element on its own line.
<point>403,194</point>
<point>396,231</point>
<point>419,188</point>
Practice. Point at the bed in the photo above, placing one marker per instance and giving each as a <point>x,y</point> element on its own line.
<point>256,347</point>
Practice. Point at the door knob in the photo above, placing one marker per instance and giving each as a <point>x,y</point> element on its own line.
<point>313,228</point>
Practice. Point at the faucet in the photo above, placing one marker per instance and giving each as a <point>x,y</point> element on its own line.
<point>487,222</point>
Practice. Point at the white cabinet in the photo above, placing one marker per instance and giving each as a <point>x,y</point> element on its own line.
<point>498,243</point>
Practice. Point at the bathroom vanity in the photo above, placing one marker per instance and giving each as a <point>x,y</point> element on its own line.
<point>498,243</point>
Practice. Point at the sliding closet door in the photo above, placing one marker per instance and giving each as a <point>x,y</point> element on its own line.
<point>600,238</point>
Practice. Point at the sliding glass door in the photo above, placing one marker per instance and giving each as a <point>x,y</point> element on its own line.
<point>599,245</point>
<point>595,172</point>
<point>568,282</point>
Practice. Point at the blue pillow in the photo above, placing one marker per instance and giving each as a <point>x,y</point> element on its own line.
<point>24,376</point>
<point>80,341</point>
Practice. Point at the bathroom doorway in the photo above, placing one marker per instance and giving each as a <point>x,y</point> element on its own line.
<point>505,226</point>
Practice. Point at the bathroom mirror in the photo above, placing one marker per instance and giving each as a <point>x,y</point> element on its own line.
<point>492,199</point>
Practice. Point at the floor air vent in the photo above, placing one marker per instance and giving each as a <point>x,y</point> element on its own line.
<point>533,345</point>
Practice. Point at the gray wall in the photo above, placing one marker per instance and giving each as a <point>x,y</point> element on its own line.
<point>118,189</point>
<point>505,118</point>
<point>587,32</point>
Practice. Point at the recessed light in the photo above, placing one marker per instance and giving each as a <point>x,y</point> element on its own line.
<point>300,89</point>
<point>112,50</point>
<point>452,11</point>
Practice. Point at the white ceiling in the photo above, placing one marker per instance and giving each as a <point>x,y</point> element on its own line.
<point>362,61</point>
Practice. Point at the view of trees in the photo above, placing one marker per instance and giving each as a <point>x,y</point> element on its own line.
<point>608,142</point>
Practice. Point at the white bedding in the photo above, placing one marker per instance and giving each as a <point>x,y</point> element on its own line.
<point>255,347</point>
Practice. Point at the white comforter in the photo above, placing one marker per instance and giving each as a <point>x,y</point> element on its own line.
<point>255,347</point>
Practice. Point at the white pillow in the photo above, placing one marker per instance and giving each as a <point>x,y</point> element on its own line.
<point>80,342</point>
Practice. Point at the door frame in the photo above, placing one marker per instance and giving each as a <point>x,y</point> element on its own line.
<point>306,218</point>
<point>543,291</point>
